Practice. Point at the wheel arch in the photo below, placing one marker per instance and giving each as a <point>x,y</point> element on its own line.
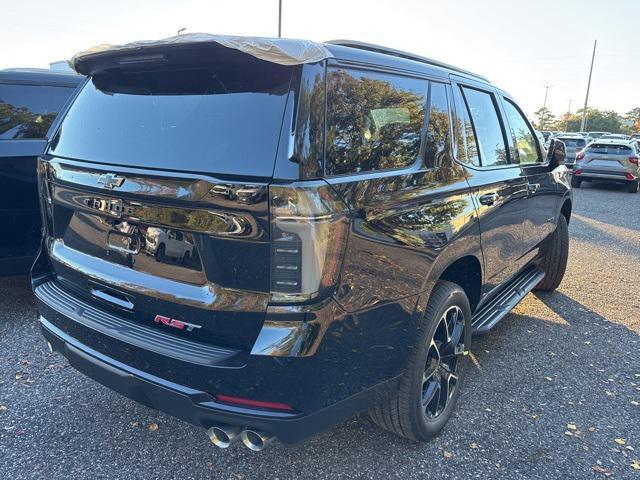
<point>464,269</point>
<point>566,209</point>
<point>466,272</point>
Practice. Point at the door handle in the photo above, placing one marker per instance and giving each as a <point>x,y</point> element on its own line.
<point>533,187</point>
<point>111,296</point>
<point>488,198</point>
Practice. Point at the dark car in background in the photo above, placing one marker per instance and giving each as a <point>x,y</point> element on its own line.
<point>574,143</point>
<point>342,227</point>
<point>30,99</point>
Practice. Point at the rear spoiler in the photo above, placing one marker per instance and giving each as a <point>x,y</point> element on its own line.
<point>276,50</point>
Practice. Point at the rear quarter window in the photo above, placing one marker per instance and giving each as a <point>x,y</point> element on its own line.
<point>374,120</point>
<point>27,111</point>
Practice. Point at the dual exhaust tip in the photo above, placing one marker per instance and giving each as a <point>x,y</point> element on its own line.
<point>223,436</point>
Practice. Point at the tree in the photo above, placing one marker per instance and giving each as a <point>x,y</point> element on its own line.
<point>544,117</point>
<point>597,120</point>
<point>634,116</point>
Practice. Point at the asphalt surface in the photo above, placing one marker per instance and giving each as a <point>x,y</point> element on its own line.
<point>553,388</point>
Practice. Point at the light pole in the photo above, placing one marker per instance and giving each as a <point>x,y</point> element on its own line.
<point>566,123</point>
<point>180,30</point>
<point>544,105</point>
<point>583,124</point>
<point>279,18</point>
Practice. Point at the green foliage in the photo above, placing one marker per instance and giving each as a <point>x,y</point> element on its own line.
<point>545,119</point>
<point>29,125</point>
<point>597,120</point>
<point>634,117</point>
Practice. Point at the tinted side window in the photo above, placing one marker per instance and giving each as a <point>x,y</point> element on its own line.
<point>487,126</point>
<point>465,138</point>
<point>27,111</point>
<point>523,136</point>
<point>438,141</point>
<point>374,120</point>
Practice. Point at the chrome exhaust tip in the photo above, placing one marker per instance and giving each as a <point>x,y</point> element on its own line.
<point>50,347</point>
<point>256,440</point>
<point>222,436</point>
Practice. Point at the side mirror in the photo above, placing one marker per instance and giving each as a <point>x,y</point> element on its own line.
<point>556,154</point>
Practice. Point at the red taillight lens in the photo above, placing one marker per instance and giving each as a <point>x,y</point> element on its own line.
<point>309,229</point>
<point>629,176</point>
<point>247,402</point>
<point>580,155</point>
<point>577,172</point>
<point>634,160</point>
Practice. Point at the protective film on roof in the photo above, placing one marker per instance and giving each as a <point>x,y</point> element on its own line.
<point>284,51</point>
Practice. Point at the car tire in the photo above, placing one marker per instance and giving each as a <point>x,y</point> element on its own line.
<point>575,182</point>
<point>555,252</point>
<point>632,187</point>
<point>160,252</point>
<point>404,412</point>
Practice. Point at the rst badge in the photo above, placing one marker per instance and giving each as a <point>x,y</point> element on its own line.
<point>179,324</point>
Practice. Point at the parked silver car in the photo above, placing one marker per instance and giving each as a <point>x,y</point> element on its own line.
<point>574,142</point>
<point>608,160</point>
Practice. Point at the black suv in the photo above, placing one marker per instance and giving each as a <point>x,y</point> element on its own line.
<point>30,99</point>
<point>264,250</point>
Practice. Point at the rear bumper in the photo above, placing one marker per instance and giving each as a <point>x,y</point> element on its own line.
<point>194,406</point>
<point>619,176</point>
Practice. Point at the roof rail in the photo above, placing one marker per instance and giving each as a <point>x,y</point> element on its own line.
<point>399,53</point>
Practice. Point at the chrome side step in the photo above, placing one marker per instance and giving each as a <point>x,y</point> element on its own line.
<point>499,306</point>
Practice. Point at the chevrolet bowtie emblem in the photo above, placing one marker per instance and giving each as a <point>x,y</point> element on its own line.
<point>110,180</point>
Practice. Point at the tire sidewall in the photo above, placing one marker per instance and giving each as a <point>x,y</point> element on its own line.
<point>427,428</point>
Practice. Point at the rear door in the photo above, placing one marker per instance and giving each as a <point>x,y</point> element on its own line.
<point>544,199</point>
<point>499,186</point>
<point>158,205</point>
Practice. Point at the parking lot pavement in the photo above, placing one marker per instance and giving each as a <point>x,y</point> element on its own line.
<point>554,392</point>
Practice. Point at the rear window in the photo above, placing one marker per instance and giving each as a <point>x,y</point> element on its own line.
<point>222,119</point>
<point>609,149</point>
<point>573,142</point>
<point>27,111</point>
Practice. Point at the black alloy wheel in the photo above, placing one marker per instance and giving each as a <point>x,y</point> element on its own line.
<point>440,376</point>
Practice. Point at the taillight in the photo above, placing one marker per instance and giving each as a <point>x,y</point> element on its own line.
<point>634,160</point>
<point>629,176</point>
<point>577,172</point>
<point>580,155</point>
<point>309,228</point>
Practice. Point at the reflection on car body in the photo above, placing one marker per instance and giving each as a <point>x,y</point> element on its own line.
<point>168,244</point>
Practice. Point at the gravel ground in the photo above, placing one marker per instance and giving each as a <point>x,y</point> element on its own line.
<point>554,392</point>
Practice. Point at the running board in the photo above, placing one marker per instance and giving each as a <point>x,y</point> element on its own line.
<point>498,307</point>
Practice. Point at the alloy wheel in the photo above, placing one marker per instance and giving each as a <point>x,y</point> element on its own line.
<point>440,376</point>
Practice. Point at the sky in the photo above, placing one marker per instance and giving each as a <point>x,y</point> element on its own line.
<point>519,45</point>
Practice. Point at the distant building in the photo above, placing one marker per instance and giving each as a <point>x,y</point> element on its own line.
<point>60,66</point>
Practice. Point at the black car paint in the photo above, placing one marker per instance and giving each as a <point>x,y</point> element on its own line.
<point>329,359</point>
<point>19,205</point>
